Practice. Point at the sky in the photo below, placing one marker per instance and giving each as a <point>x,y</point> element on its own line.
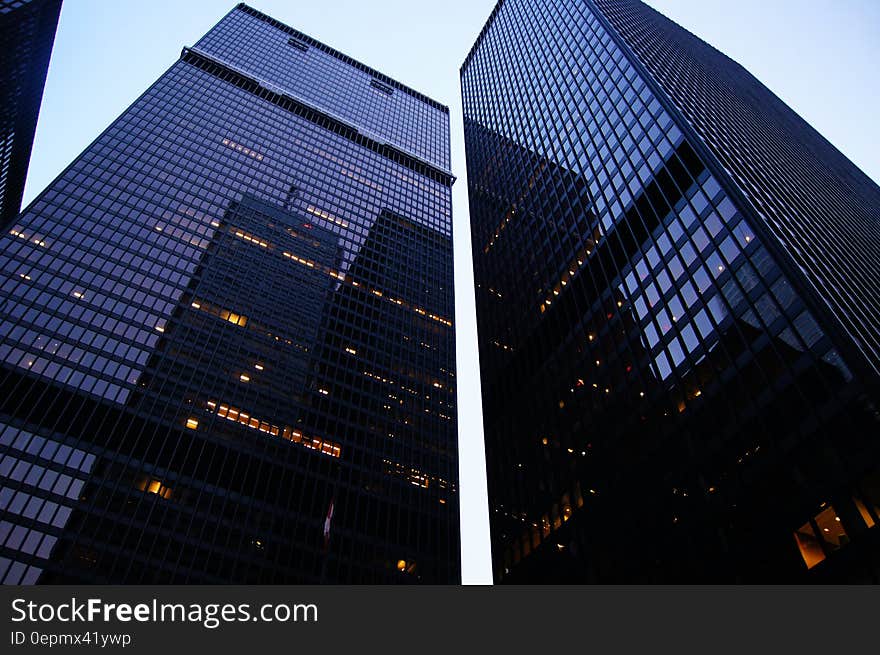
<point>820,57</point>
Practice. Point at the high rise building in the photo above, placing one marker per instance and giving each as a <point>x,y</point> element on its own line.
<point>226,332</point>
<point>27,33</point>
<point>677,308</point>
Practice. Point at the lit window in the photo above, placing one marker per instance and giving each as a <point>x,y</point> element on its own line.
<point>831,529</point>
<point>242,149</point>
<point>870,497</point>
<point>545,525</point>
<point>153,486</point>
<point>865,514</point>
<point>192,423</point>
<point>244,378</point>
<point>327,216</point>
<point>406,567</point>
<point>809,545</point>
<point>828,535</point>
<point>237,416</point>
<point>250,239</point>
<point>236,319</point>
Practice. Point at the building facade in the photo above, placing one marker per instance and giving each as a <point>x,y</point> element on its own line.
<point>676,283</point>
<point>27,33</point>
<point>226,332</point>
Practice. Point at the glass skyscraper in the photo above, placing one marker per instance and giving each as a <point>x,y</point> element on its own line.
<point>226,332</point>
<point>677,308</point>
<point>27,34</point>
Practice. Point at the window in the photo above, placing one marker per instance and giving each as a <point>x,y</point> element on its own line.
<point>299,45</point>
<point>870,493</point>
<point>809,546</point>
<point>830,528</point>
<point>406,566</point>
<point>381,87</point>
<point>865,513</point>
<point>238,416</point>
<point>153,486</point>
<point>817,538</point>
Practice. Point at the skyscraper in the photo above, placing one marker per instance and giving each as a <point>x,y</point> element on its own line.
<point>677,308</point>
<point>27,33</point>
<point>226,332</point>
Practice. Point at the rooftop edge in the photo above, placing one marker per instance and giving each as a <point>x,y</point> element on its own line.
<point>479,39</point>
<point>256,13</point>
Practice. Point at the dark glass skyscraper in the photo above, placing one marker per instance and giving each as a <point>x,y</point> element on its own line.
<point>677,306</point>
<point>27,33</point>
<point>226,332</point>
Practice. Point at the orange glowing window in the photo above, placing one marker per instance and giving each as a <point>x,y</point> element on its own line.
<point>566,507</point>
<point>238,319</point>
<point>153,486</point>
<point>823,535</point>
<point>255,423</point>
<point>864,513</point>
<point>809,545</point>
<point>545,525</point>
<point>250,239</point>
<point>868,503</point>
<point>831,529</point>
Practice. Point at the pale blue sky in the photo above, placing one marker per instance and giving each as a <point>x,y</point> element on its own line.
<point>818,56</point>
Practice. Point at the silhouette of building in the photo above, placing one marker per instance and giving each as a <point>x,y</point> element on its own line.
<point>226,332</point>
<point>27,33</point>
<point>677,309</point>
